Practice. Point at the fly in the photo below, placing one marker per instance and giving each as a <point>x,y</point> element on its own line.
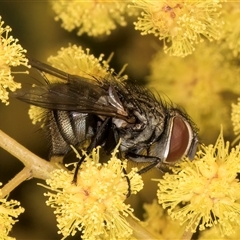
<point>102,111</point>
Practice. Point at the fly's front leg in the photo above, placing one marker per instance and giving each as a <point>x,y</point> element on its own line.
<point>153,161</point>
<point>109,146</point>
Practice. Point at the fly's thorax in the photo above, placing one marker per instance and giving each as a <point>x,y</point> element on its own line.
<point>147,128</point>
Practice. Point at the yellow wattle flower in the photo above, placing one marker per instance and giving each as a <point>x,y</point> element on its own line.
<point>9,211</point>
<point>95,205</point>
<point>94,18</point>
<point>180,24</point>
<point>207,187</point>
<point>11,55</point>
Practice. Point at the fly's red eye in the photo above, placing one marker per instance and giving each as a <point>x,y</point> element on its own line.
<point>179,140</point>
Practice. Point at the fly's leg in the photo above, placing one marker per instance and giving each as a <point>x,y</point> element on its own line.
<point>77,169</point>
<point>128,182</point>
<point>154,161</point>
<point>119,155</point>
<point>147,168</point>
<point>96,141</point>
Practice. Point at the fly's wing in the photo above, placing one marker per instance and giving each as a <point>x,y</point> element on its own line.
<point>68,97</point>
<point>77,94</point>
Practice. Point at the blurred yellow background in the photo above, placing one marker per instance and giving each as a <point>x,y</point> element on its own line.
<point>34,25</point>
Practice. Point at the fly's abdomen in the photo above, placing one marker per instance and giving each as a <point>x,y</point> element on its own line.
<point>68,128</point>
